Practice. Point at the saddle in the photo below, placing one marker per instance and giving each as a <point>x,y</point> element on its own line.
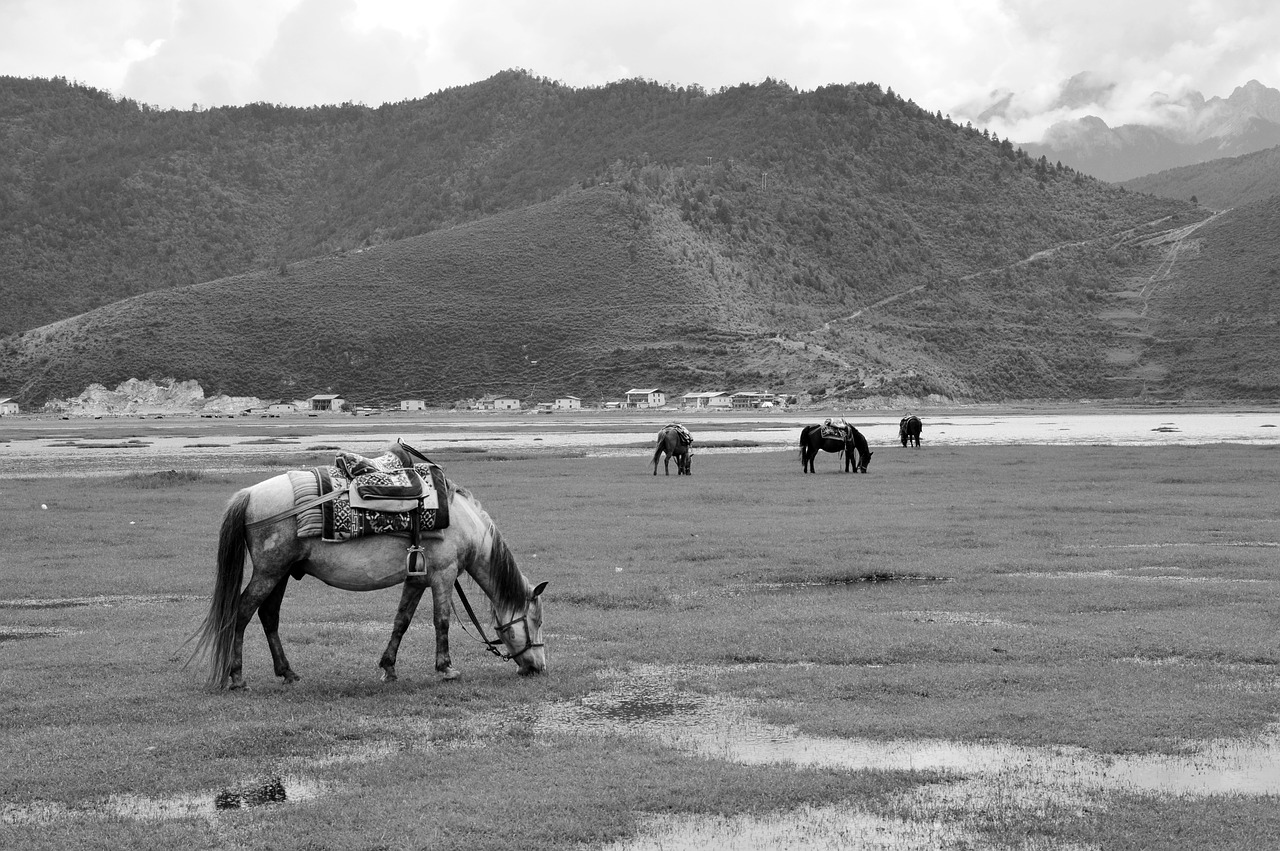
<point>837,429</point>
<point>389,482</point>
<point>685,437</point>
<point>385,495</point>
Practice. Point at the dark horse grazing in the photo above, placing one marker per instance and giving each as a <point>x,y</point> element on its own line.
<point>672,440</point>
<point>470,544</point>
<point>909,430</point>
<point>812,440</point>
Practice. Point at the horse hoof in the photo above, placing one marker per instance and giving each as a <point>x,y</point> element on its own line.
<point>389,676</point>
<point>450,674</point>
<point>290,678</point>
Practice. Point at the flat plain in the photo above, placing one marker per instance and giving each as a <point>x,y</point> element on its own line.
<point>1054,621</point>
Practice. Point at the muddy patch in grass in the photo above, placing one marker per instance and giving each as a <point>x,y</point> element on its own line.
<point>103,600</point>
<point>20,633</point>
<point>272,790</point>
<point>960,619</point>
<point>844,581</point>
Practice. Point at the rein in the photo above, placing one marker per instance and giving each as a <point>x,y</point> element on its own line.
<point>492,644</point>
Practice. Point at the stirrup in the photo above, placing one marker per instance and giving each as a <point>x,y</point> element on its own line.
<point>415,557</point>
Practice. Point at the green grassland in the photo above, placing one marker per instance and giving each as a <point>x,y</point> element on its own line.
<point>1116,599</point>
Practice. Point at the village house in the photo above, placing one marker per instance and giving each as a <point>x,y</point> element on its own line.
<point>413,404</point>
<point>499,403</point>
<point>567,403</point>
<point>751,400</point>
<point>710,399</point>
<point>8,405</point>
<point>650,398</point>
<point>326,402</point>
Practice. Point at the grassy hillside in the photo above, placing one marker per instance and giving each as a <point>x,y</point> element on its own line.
<point>1216,323</point>
<point>590,294</point>
<point>841,242</point>
<point>505,305</point>
<point>101,199</point>
<point>1218,184</point>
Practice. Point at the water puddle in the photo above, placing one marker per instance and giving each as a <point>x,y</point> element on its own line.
<point>272,790</point>
<point>1138,574</point>
<point>1168,544</point>
<point>646,702</point>
<point>829,828</point>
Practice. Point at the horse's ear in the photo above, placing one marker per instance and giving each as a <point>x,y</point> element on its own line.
<point>538,589</point>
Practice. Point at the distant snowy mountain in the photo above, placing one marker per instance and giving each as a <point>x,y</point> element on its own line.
<point>1178,131</point>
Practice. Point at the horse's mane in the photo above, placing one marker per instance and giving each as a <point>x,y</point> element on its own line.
<point>509,587</point>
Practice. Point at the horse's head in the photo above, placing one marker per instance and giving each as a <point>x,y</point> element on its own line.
<point>864,460</point>
<point>521,632</point>
<point>684,463</point>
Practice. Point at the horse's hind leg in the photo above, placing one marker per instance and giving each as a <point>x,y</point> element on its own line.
<point>260,587</point>
<point>269,615</point>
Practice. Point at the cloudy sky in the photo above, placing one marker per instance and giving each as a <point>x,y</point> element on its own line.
<point>947,55</point>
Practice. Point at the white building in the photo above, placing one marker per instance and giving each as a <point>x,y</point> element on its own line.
<point>711,399</point>
<point>499,403</point>
<point>567,403</point>
<point>413,405</point>
<point>647,398</point>
<point>326,402</point>
<point>8,405</point>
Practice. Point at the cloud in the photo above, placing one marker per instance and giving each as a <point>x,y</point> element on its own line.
<point>956,57</point>
<point>1140,56</point>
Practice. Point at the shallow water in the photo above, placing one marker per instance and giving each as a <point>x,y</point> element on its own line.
<point>58,447</point>
<point>272,790</point>
<point>987,777</point>
<point>645,702</point>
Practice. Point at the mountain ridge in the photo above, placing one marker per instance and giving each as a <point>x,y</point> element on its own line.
<point>519,237</point>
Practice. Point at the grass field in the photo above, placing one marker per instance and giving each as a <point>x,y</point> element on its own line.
<point>1109,603</point>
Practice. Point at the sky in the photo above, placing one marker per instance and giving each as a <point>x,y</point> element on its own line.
<point>949,56</point>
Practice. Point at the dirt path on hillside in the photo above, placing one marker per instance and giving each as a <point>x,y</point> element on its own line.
<point>1176,240</point>
<point>1175,236</point>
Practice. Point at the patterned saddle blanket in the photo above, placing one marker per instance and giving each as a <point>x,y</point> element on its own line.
<point>836,430</point>
<point>378,496</point>
<point>685,437</point>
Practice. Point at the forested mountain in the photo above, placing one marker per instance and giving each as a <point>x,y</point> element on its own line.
<point>1218,184</point>
<point>524,237</point>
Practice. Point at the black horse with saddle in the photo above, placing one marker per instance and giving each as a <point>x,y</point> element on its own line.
<point>834,436</point>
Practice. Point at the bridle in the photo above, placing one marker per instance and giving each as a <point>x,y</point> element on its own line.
<point>493,644</point>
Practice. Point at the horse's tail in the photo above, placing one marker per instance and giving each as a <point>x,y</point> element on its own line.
<point>216,635</point>
<point>657,453</point>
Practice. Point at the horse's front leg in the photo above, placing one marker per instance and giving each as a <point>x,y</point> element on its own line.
<point>409,599</point>
<point>269,615</point>
<point>442,607</point>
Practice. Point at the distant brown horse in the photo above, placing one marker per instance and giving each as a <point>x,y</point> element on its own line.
<point>909,430</point>
<point>812,441</point>
<point>674,440</point>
